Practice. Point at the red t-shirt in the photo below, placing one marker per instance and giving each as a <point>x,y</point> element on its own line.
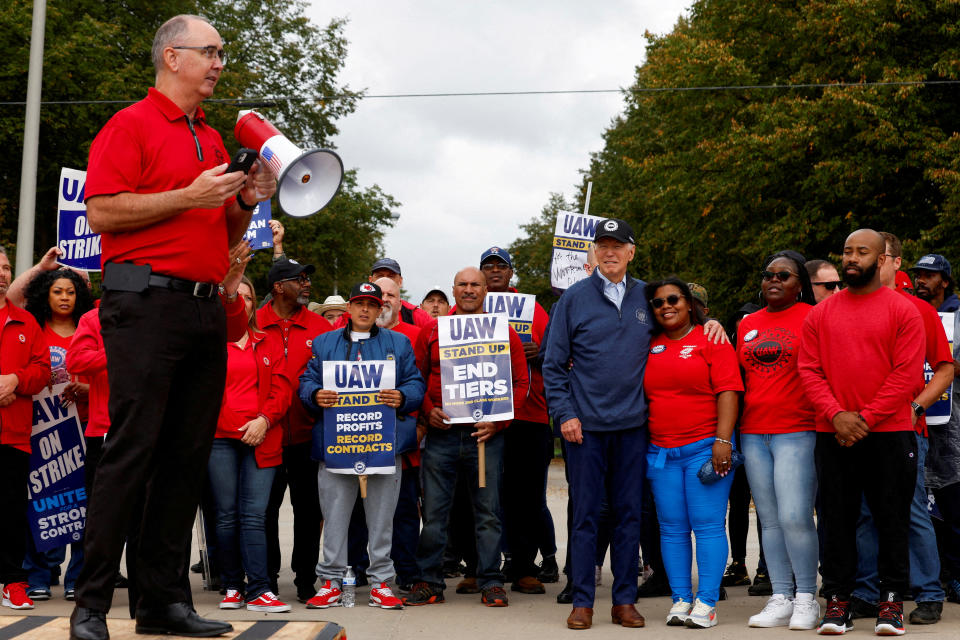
<point>149,148</point>
<point>936,349</point>
<point>3,315</point>
<point>768,344</point>
<point>409,330</point>
<point>240,392</point>
<point>682,380</point>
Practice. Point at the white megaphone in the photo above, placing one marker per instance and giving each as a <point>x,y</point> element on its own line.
<point>307,180</point>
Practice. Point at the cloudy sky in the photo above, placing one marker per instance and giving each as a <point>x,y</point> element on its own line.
<point>470,170</point>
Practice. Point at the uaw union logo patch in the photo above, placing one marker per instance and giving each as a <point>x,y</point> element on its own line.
<point>610,225</point>
<point>360,467</point>
<point>477,415</point>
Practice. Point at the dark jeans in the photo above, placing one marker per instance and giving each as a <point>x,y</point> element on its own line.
<point>299,471</point>
<point>948,535</point>
<point>881,468</point>
<point>241,491</point>
<point>605,521</point>
<point>527,450</point>
<point>166,354</point>
<point>14,470</point>
<point>406,527</point>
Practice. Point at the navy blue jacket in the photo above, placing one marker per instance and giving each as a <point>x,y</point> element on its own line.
<point>382,344</point>
<point>950,305</point>
<point>607,349</point>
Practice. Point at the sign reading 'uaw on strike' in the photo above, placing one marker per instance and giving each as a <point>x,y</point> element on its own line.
<point>518,307</point>
<point>939,411</point>
<point>475,374</point>
<point>79,244</point>
<point>359,433</point>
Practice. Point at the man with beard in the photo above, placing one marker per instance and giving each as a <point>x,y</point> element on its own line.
<point>389,317</point>
<point>289,320</point>
<point>935,282</point>
<point>861,364</point>
<point>409,313</point>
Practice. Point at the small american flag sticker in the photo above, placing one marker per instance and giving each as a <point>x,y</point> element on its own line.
<point>272,160</point>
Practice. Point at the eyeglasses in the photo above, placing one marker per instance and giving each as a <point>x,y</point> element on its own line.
<point>494,265</point>
<point>302,279</point>
<point>831,285</point>
<point>671,300</point>
<point>782,276</point>
<point>210,52</point>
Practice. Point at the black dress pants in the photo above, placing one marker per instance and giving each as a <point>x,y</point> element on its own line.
<point>14,468</point>
<point>527,450</point>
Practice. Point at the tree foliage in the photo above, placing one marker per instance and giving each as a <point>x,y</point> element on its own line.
<point>715,180</point>
<point>100,51</point>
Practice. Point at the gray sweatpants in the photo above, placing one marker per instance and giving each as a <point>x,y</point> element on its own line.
<point>338,494</point>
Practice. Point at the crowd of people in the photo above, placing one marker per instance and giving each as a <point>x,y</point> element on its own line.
<point>194,391</point>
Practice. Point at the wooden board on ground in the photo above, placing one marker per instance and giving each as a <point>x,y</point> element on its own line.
<point>44,627</point>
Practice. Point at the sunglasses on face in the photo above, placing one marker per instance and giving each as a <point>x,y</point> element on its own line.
<point>831,285</point>
<point>782,276</point>
<point>302,279</point>
<point>671,299</point>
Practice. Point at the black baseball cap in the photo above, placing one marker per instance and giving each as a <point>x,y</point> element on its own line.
<point>369,290</point>
<point>496,252</point>
<point>614,228</point>
<point>287,270</point>
<point>386,263</point>
<point>436,289</point>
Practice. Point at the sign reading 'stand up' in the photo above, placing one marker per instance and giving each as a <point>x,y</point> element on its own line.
<point>475,373</point>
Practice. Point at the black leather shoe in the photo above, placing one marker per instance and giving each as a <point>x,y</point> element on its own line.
<point>566,594</point>
<point>88,624</point>
<point>178,619</point>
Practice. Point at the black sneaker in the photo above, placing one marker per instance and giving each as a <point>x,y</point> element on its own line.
<point>736,575</point>
<point>566,594</point>
<point>953,591</point>
<point>860,608</point>
<point>890,616</point>
<point>494,596</point>
<point>424,593</point>
<point>836,621</point>
<point>761,585</point>
<point>926,613</point>
<point>549,571</point>
<point>654,587</point>
<point>507,570</point>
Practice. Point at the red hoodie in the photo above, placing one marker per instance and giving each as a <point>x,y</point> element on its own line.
<point>87,357</point>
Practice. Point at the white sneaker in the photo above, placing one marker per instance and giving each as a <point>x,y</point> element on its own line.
<point>806,612</point>
<point>776,613</point>
<point>702,616</point>
<point>678,613</point>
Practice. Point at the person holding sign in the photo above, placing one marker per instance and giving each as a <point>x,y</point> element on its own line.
<point>458,379</point>
<point>362,427</point>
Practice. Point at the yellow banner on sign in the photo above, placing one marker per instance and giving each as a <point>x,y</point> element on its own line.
<point>560,242</point>
<point>356,399</point>
<point>486,349</point>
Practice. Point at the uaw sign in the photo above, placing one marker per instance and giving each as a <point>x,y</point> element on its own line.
<point>939,411</point>
<point>259,234</point>
<point>518,307</point>
<point>572,237</point>
<point>79,244</point>
<point>475,375</point>
<point>58,499</point>
<point>359,433</point>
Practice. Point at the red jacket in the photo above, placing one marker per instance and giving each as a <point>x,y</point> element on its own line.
<point>274,394</point>
<point>296,335</point>
<point>23,351</point>
<point>87,357</point>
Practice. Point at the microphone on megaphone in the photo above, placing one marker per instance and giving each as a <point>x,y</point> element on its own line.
<point>307,179</point>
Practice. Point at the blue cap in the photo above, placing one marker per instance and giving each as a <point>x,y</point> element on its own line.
<point>496,252</point>
<point>386,263</point>
<point>933,262</point>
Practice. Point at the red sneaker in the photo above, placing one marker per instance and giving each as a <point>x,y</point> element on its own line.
<point>15,596</point>
<point>381,596</point>
<point>267,602</point>
<point>233,600</point>
<point>327,596</point>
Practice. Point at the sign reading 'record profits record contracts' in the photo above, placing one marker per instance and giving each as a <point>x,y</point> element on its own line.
<point>939,411</point>
<point>79,244</point>
<point>518,307</point>
<point>58,500</point>
<point>475,374</point>
<point>359,433</point>
<point>571,239</point>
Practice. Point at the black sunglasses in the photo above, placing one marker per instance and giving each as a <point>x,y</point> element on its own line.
<point>831,285</point>
<point>671,299</point>
<point>782,276</point>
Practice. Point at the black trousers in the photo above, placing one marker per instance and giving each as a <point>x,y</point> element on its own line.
<point>881,468</point>
<point>14,469</point>
<point>299,472</point>
<point>527,451</point>
<point>948,534</point>
<point>166,363</point>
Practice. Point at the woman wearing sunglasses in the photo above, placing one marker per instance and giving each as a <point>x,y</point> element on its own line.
<point>691,386</point>
<point>777,431</point>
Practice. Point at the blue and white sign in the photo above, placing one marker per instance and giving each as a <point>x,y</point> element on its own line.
<point>572,238</point>
<point>518,307</point>
<point>939,411</point>
<point>476,377</point>
<point>259,234</point>
<point>58,500</point>
<point>80,245</point>
<point>359,433</point>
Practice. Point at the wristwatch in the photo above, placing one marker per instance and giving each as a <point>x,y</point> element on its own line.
<point>918,410</point>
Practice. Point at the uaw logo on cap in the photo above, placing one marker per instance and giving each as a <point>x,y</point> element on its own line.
<point>610,225</point>
<point>366,287</point>
<point>926,260</point>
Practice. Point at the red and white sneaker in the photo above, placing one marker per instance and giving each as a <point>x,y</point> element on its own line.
<point>327,596</point>
<point>15,596</point>
<point>266,601</point>
<point>233,600</point>
<point>381,596</point>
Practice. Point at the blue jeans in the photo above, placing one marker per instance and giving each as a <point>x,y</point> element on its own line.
<point>685,504</point>
<point>783,479</point>
<point>40,564</point>
<point>924,558</point>
<point>448,452</point>
<point>241,491</point>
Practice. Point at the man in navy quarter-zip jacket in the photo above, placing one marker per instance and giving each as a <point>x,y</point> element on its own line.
<point>595,355</point>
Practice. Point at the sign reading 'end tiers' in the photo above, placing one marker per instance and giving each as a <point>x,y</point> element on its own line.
<point>475,375</point>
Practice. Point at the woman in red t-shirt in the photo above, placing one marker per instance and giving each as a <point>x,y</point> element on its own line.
<point>691,386</point>
<point>243,460</point>
<point>57,299</point>
<point>777,432</point>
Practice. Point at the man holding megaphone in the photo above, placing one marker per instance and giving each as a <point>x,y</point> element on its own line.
<point>158,193</point>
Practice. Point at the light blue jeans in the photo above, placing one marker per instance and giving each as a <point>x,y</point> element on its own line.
<point>783,480</point>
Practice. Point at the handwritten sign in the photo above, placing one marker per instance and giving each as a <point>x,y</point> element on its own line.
<point>572,237</point>
<point>475,373</point>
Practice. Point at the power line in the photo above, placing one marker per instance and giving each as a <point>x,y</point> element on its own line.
<point>267,102</point>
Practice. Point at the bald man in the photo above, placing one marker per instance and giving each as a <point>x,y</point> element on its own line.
<point>861,364</point>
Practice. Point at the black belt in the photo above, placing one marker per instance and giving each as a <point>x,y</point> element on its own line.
<point>196,289</point>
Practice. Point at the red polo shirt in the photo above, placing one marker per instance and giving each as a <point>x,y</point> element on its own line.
<point>149,148</point>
